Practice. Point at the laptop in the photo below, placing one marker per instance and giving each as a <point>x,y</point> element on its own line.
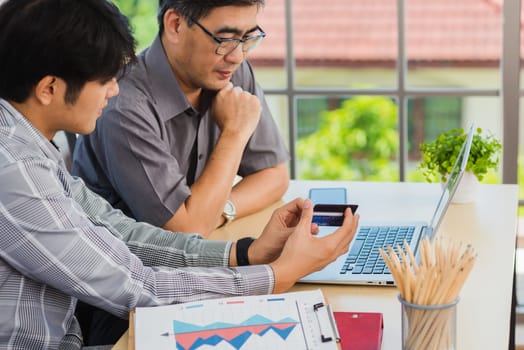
<point>363,263</point>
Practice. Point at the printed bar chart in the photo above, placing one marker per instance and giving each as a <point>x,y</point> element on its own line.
<point>287,321</point>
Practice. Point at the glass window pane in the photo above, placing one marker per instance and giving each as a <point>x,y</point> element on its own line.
<point>278,104</point>
<point>520,165</point>
<point>350,138</point>
<point>430,116</point>
<point>452,43</point>
<point>142,15</point>
<point>347,44</point>
<point>279,108</point>
<point>269,58</point>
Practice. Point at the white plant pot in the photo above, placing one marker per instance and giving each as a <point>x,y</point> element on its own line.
<point>467,189</point>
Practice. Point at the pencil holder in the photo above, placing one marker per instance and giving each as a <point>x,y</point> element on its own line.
<point>427,327</point>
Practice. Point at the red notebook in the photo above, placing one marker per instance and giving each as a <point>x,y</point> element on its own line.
<point>360,330</point>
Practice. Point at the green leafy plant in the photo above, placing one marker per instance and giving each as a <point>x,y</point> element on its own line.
<point>439,156</point>
<point>357,141</point>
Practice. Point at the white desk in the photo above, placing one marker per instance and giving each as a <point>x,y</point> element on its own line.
<point>489,224</point>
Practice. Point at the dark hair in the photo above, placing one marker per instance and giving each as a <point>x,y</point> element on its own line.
<point>197,9</point>
<point>78,41</point>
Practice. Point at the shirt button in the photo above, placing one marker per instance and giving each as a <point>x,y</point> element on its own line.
<point>200,156</point>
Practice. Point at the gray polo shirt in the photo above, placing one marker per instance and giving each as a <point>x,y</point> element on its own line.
<point>151,144</point>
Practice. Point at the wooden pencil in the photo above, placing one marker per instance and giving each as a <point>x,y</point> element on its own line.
<point>434,281</point>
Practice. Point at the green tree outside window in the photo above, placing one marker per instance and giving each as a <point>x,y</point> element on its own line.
<point>142,16</point>
<point>358,141</point>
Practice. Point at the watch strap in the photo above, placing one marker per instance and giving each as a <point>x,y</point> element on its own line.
<point>241,249</point>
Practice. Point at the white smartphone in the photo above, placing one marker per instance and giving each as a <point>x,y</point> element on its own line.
<point>328,195</point>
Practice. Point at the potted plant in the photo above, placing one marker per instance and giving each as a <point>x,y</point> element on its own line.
<point>439,156</point>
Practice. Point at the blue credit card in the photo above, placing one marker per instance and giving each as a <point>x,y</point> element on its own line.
<point>331,214</point>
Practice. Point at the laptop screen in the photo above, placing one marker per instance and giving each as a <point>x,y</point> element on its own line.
<point>453,180</point>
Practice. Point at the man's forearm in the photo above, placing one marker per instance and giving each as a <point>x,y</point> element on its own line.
<point>258,190</point>
<point>202,211</point>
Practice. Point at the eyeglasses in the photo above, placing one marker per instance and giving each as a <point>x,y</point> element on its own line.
<point>227,45</point>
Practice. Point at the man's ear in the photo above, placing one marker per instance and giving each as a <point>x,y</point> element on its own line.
<point>46,90</point>
<point>172,24</point>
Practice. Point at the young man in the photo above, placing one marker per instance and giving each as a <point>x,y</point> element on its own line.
<point>61,243</point>
<point>169,147</point>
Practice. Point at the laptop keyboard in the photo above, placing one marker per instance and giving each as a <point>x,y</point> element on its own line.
<point>364,256</point>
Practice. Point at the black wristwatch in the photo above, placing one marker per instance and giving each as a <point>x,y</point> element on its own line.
<point>242,248</point>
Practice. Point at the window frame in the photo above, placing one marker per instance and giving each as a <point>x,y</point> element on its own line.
<point>509,91</point>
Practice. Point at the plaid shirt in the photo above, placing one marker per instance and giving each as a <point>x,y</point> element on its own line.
<point>59,242</point>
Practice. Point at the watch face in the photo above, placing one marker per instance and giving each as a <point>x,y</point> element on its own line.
<point>229,209</point>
